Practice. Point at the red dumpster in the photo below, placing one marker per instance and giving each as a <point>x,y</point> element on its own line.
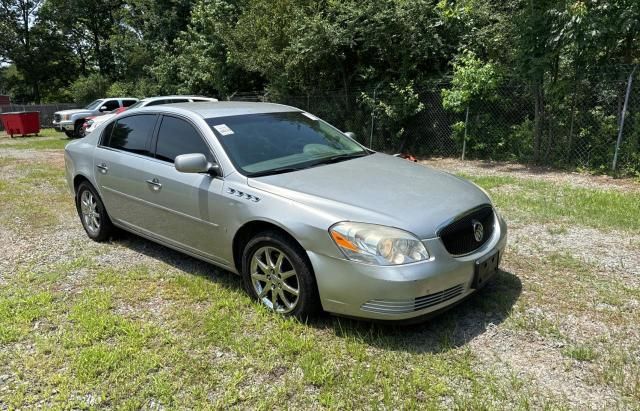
<point>22,123</point>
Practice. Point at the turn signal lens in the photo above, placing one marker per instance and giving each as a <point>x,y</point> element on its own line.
<point>376,244</point>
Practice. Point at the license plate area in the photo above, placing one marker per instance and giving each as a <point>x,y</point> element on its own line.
<point>485,269</point>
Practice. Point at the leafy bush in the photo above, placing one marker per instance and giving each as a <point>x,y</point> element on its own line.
<point>89,88</point>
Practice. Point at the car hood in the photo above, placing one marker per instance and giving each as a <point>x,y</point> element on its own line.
<point>379,189</point>
<point>73,111</point>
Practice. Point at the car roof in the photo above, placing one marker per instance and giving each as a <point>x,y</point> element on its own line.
<point>223,108</point>
<point>154,98</point>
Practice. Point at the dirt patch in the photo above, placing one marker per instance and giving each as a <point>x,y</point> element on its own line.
<point>507,169</point>
<point>614,251</point>
<point>53,157</point>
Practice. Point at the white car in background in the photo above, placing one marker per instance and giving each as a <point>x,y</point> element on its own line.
<point>94,122</point>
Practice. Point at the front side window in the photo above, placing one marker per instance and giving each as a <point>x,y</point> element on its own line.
<point>271,143</point>
<point>177,137</point>
<point>132,133</point>
<point>110,105</point>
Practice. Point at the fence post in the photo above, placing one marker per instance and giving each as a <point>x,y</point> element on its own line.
<point>464,140</point>
<point>622,117</point>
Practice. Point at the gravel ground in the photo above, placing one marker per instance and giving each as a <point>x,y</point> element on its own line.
<point>499,168</point>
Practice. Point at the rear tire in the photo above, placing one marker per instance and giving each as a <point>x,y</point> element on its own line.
<point>93,215</point>
<point>277,273</point>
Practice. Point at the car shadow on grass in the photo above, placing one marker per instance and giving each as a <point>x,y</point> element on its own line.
<point>448,330</point>
<point>451,329</point>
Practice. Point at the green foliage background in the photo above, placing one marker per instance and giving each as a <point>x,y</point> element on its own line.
<point>543,80</point>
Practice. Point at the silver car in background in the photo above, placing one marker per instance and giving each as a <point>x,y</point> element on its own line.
<point>95,122</point>
<point>308,217</point>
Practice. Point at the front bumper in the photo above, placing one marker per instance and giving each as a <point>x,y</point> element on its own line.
<point>401,292</point>
<point>65,125</point>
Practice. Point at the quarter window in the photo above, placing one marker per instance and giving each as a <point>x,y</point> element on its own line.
<point>177,137</point>
<point>132,133</point>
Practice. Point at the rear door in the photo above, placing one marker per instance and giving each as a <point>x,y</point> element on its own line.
<point>186,206</point>
<point>121,158</point>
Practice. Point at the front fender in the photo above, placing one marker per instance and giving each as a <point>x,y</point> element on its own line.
<point>80,116</point>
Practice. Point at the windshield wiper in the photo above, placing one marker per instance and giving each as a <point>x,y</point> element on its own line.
<point>279,170</point>
<point>326,160</point>
<point>338,157</point>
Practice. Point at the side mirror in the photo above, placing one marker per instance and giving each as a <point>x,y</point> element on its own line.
<point>350,134</point>
<point>195,163</point>
<point>103,108</point>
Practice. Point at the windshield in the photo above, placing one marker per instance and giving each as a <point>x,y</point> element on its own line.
<point>270,143</point>
<point>138,104</point>
<point>93,105</point>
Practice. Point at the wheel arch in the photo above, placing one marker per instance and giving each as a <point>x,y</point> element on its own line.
<point>78,179</point>
<point>249,230</point>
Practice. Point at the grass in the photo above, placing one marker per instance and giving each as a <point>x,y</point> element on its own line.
<point>546,202</point>
<point>580,353</point>
<point>34,194</point>
<point>48,139</point>
<point>133,325</point>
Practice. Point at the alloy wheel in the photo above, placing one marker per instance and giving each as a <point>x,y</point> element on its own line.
<point>90,214</point>
<point>274,279</point>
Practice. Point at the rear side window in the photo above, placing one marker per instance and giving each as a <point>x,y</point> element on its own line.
<point>132,133</point>
<point>106,133</point>
<point>177,137</point>
<point>179,100</point>
<point>128,103</point>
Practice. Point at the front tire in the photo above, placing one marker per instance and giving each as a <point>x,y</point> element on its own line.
<point>92,213</point>
<point>276,272</point>
<point>77,129</point>
<point>68,133</point>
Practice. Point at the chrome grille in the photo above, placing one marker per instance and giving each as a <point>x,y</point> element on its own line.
<point>56,118</point>
<point>413,304</point>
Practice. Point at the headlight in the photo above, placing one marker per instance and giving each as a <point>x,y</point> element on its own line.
<point>66,117</point>
<point>376,244</point>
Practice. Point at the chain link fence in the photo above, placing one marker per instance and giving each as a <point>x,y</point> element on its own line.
<point>582,125</point>
<point>585,124</point>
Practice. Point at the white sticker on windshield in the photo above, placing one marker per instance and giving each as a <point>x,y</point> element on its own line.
<point>223,129</point>
<point>311,116</point>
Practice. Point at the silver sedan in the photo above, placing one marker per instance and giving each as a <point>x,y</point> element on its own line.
<point>308,217</point>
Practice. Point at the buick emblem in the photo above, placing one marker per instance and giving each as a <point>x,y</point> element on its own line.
<point>478,230</point>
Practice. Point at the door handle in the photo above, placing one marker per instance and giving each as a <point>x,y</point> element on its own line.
<point>155,184</point>
<point>103,168</point>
